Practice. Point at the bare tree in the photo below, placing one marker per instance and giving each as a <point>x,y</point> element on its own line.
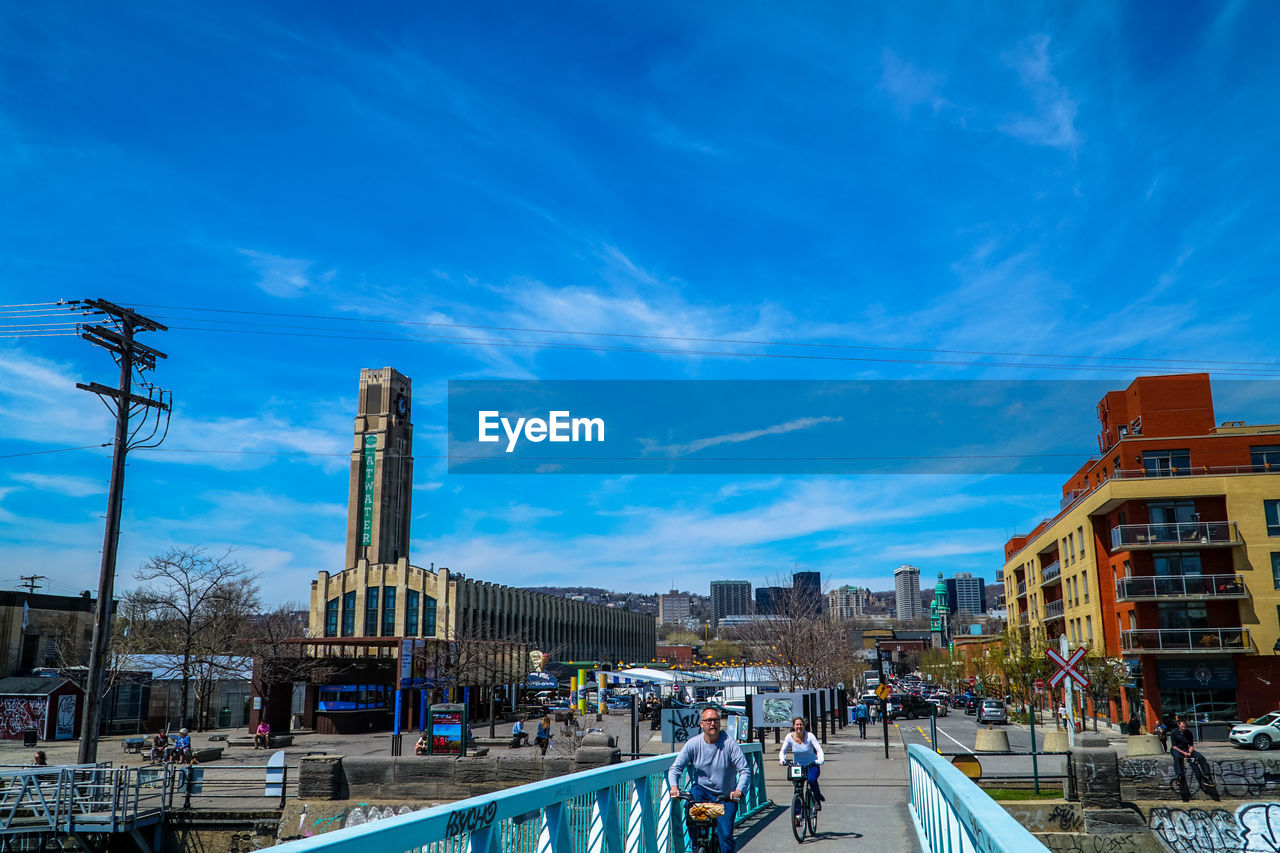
<point>193,607</point>
<point>268,639</point>
<point>797,646</point>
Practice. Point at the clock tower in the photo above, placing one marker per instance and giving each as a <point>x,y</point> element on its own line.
<point>381,470</point>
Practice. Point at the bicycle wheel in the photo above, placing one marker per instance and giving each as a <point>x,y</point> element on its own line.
<point>798,823</point>
<point>811,812</point>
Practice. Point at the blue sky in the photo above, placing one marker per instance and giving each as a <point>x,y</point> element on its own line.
<point>909,184</point>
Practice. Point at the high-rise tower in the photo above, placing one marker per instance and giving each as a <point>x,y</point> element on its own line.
<point>381,470</point>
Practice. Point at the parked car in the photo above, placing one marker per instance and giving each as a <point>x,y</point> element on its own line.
<point>971,704</point>
<point>908,706</point>
<point>992,711</point>
<point>1262,732</point>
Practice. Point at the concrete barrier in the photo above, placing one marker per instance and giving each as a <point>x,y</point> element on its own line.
<point>1144,745</point>
<point>991,740</point>
<point>1055,742</point>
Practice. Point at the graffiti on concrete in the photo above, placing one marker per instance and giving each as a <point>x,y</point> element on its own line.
<point>1121,842</point>
<point>1046,818</point>
<point>1236,777</point>
<point>354,816</point>
<point>1253,828</point>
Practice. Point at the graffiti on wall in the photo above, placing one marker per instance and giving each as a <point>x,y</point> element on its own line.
<point>1236,777</point>
<point>19,714</point>
<point>348,817</point>
<point>1253,828</point>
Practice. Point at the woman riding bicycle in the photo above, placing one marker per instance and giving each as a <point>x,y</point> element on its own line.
<point>805,752</point>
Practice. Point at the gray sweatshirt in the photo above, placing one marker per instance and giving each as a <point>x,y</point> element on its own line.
<point>719,767</point>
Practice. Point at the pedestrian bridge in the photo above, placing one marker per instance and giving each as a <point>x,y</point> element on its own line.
<point>626,808</point>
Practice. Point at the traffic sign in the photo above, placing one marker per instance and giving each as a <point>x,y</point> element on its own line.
<point>1067,667</point>
<point>973,679</point>
<point>883,692</point>
<point>1039,685</point>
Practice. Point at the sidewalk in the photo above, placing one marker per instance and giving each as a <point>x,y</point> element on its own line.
<point>866,799</point>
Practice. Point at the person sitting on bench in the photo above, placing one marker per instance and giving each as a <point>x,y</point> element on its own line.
<point>422,747</point>
<point>519,737</point>
<point>159,748</point>
<point>262,738</point>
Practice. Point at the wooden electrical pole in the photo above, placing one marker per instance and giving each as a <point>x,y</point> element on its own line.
<point>130,355</point>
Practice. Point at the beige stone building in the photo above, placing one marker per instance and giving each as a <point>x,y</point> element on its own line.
<point>382,594</point>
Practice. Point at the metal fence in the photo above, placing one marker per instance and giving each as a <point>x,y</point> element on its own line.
<point>953,815</point>
<point>622,808</point>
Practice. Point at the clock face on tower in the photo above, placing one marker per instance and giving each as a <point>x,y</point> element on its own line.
<point>402,405</point>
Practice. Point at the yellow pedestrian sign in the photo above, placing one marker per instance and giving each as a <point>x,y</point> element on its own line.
<point>883,692</point>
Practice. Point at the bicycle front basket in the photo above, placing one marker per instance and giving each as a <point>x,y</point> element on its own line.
<point>795,771</point>
<point>706,811</point>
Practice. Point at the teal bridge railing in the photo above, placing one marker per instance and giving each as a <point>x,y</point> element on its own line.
<point>953,815</point>
<point>622,808</point>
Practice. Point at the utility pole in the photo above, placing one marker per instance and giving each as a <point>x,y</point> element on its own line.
<point>130,356</point>
<point>29,581</point>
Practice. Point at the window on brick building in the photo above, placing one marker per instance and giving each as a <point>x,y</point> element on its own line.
<point>1265,458</point>
<point>1275,569</point>
<point>1166,463</point>
<point>349,614</point>
<point>1272,509</point>
<point>371,612</point>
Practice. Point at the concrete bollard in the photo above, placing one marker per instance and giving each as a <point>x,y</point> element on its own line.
<point>1144,745</point>
<point>991,740</point>
<point>1055,742</point>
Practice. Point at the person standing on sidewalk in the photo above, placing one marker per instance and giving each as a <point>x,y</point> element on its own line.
<point>860,714</point>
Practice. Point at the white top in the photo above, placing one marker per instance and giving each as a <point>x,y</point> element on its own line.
<point>804,754</point>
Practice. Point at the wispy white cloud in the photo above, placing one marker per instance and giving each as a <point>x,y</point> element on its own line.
<point>63,484</point>
<point>737,437</point>
<point>287,278</point>
<point>1053,122</point>
<point>910,86</point>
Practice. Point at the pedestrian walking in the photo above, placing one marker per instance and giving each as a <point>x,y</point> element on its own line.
<point>860,714</point>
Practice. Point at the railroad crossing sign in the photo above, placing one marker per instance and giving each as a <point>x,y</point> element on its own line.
<point>883,692</point>
<point>1067,667</point>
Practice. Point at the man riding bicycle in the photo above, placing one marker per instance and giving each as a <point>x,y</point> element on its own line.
<point>805,752</point>
<point>718,771</point>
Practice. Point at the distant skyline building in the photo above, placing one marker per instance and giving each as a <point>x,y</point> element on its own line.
<point>768,599</point>
<point>673,606</point>
<point>967,594</point>
<point>729,598</point>
<point>906,588</point>
<point>807,587</point>
<point>847,602</point>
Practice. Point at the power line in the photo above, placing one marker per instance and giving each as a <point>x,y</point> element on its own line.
<point>519,344</point>
<point>58,450</point>
<point>746,341</point>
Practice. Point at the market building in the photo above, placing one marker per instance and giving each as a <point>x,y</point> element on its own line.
<point>1165,556</point>
<point>367,620</point>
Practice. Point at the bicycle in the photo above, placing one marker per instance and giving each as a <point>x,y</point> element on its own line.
<point>700,819</point>
<point>804,808</point>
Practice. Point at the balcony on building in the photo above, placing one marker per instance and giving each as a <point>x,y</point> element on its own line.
<point>1196,534</point>
<point>1184,587</point>
<point>1192,641</point>
<point>1053,609</point>
<point>1051,573</point>
<point>1022,589</point>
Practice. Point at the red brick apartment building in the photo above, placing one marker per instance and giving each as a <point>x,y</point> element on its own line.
<point>1165,554</point>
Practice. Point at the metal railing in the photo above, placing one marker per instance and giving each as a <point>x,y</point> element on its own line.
<point>1190,533</point>
<point>1022,588</point>
<point>1199,640</point>
<point>82,798</point>
<point>1180,586</point>
<point>622,807</point>
<point>953,815</point>
<point>1051,572</point>
<point>1192,471</point>
<point>1053,609</point>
